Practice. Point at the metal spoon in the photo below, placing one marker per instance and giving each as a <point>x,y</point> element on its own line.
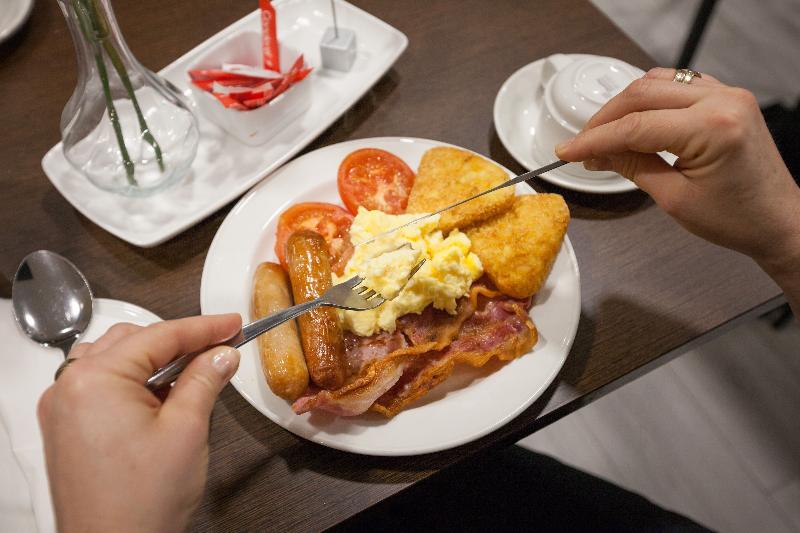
<point>52,300</point>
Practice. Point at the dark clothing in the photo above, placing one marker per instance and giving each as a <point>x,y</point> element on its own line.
<point>517,490</point>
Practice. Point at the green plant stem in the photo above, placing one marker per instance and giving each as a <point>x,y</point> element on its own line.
<point>91,34</point>
<point>123,75</point>
<point>112,115</point>
<point>102,26</point>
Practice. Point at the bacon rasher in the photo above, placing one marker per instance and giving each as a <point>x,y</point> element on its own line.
<point>390,371</point>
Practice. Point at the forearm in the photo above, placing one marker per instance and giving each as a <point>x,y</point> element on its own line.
<point>784,267</point>
<point>790,284</point>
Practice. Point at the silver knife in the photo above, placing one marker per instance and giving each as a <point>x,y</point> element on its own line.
<point>509,183</point>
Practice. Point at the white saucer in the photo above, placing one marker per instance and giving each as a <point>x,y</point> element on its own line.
<point>107,312</point>
<point>13,15</point>
<point>516,113</point>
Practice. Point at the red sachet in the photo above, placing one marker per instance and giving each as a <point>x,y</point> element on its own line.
<point>264,94</point>
<point>208,85</point>
<point>229,102</point>
<point>216,74</point>
<point>269,36</point>
<point>243,87</point>
<point>282,86</point>
<point>297,72</point>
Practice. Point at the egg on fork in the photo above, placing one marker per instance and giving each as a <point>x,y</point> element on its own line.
<point>385,262</point>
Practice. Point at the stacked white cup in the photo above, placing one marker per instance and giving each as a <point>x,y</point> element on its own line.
<point>575,88</point>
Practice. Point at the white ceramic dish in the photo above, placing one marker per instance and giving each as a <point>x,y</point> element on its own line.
<point>13,15</point>
<point>107,312</point>
<point>224,168</point>
<point>253,127</point>
<point>574,88</point>
<point>516,112</point>
<point>467,406</point>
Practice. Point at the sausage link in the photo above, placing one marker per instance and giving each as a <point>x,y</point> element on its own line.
<point>320,331</point>
<point>282,357</point>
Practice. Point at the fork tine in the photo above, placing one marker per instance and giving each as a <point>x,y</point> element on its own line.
<point>415,269</point>
<point>353,282</point>
<point>410,275</point>
<point>351,294</point>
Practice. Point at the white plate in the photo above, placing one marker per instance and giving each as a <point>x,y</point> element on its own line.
<point>13,15</point>
<point>451,414</point>
<point>224,167</point>
<point>516,113</point>
<point>107,312</point>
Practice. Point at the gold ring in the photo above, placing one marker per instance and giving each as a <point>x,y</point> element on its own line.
<point>68,361</point>
<point>685,75</point>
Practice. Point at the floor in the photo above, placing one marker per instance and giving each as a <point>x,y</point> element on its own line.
<point>713,435</point>
<point>747,44</point>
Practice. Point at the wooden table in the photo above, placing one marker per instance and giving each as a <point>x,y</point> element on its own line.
<point>649,289</point>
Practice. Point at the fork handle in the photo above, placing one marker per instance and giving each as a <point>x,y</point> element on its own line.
<point>167,374</point>
<point>258,327</point>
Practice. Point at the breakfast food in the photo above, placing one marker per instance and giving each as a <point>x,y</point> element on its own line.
<point>374,179</point>
<point>384,263</point>
<point>469,303</point>
<point>282,358</point>
<point>517,248</point>
<point>320,331</point>
<point>328,220</point>
<point>447,175</point>
<point>497,327</point>
<point>394,370</point>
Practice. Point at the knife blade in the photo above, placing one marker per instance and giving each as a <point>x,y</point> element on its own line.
<point>509,183</point>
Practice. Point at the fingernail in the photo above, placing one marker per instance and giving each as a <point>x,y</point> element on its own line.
<point>230,333</point>
<point>597,163</point>
<point>225,360</point>
<point>560,147</point>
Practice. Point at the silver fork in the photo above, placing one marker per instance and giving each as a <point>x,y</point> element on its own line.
<point>350,295</point>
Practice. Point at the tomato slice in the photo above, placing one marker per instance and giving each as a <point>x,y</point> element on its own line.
<point>375,179</point>
<point>330,221</point>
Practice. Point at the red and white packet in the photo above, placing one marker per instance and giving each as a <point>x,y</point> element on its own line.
<point>244,87</point>
<point>269,36</point>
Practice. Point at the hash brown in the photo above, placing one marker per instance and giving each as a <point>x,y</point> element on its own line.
<point>518,247</point>
<point>447,175</point>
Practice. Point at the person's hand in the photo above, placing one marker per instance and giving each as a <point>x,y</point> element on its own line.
<point>729,185</point>
<point>118,458</point>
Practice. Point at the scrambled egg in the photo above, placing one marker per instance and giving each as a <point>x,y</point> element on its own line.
<point>385,263</point>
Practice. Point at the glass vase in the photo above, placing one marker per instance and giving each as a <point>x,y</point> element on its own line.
<point>124,128</point>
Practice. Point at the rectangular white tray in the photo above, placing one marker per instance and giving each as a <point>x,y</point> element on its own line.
<point>224,168</point>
